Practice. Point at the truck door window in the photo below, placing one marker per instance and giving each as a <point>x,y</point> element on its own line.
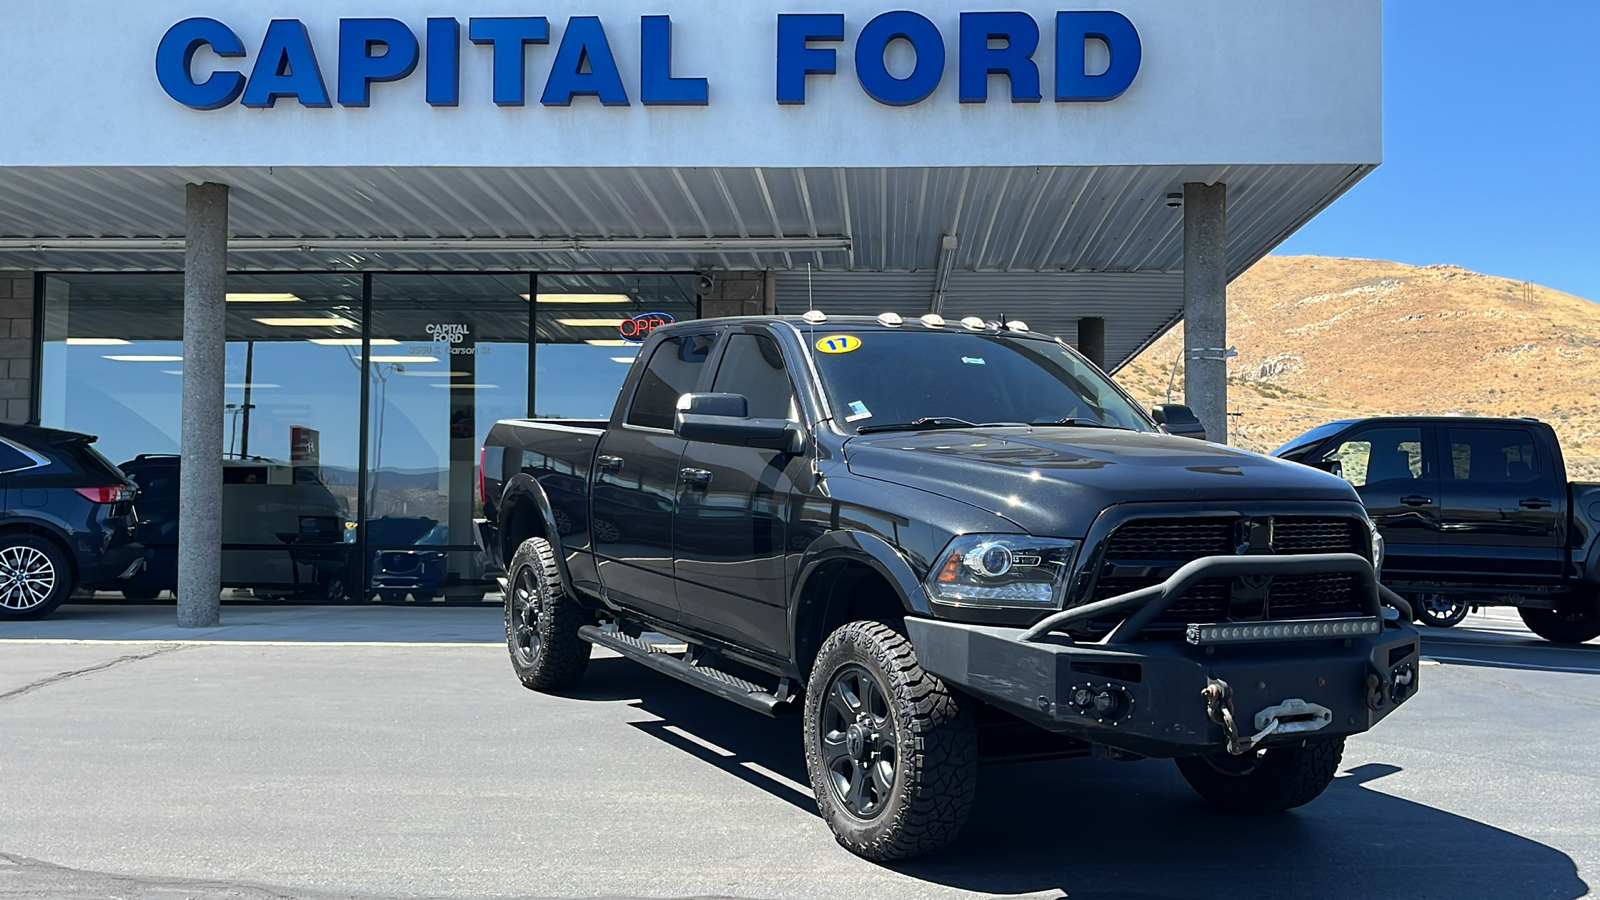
<point>1376,456</point>
<point>753,366</point>
<point>1493,455</point>
<point>674,370</point>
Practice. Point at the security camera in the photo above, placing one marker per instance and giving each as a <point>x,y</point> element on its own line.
<point>1174,200</point>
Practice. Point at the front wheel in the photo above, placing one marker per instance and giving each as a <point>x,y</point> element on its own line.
<point>891,750</point>
<point>35,576</point>
<point>1440,610</point>
<point>542,622</point>
<point>1574,620</point>
<point>1270,781</point>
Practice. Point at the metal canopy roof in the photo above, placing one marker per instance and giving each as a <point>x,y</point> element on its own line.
<point>1027,238</point>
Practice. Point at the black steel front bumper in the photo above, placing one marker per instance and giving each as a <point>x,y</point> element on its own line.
<point>1166,697</point>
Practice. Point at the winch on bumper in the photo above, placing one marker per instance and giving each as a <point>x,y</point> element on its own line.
<point>1230,686</point>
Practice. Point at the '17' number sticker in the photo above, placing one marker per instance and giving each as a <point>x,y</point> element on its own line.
<point>839,343</point>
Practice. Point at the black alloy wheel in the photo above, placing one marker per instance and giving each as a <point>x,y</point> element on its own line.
<point>1441,610</point>
<point>859,742</point>
<point>891,750</point>
<point>35,577</point>
<point>542,622</point>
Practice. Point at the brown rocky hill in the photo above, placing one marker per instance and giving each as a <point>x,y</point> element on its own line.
<point>1322,338</point>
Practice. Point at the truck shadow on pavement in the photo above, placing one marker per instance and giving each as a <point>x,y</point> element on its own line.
<point>1098,829</point>
<point>1465,648</point>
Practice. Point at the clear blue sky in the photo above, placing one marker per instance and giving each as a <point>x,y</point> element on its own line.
<point>1491,145</point>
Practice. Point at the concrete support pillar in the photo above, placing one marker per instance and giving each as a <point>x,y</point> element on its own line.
<point>1205,306</point>
<point>1092,339</point>
<point>205,275</point>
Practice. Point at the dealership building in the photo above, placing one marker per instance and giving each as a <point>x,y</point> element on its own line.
<point>320,247</point>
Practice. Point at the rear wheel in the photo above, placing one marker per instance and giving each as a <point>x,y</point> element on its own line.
<point>1575,619</point>
<point>1271,781</point>
<point>891,750</point>
<point>1440,610</point>
<point>542,622</point>
<point>35,576</point>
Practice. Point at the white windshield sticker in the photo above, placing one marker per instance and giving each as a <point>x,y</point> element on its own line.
<point>974,360</point>
<point>858,410</point>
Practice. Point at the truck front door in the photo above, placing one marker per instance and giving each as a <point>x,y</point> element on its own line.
<point>636,481</point>
<point>1393,468</point>
<point>1503,515</point>
<point>730,532</point>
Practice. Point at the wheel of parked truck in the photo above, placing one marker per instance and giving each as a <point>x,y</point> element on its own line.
<point>35,576</point>
<point>1271,781</point>
<point>1575,619</point>
<point>891,750</point>
<point>542,621</point>
<point>1440,610</point>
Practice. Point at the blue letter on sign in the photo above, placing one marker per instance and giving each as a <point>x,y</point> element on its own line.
<point>1015,60</point>
<point>584,41</point>
<point>443,78</point>
<point>359,68</point>
<point>657,87</point>
<point>286,67</point>
<point>874,75</point>
<point>796,60</point>
<point>175,58</point>
<point>510,37</point>
<point>1073,31</point>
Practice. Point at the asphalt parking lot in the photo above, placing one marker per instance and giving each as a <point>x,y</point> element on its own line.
<point>379,753</point>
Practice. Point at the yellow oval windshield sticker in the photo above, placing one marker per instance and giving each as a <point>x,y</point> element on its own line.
<point>839,343</point>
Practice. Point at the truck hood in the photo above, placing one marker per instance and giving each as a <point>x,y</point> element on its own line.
<point>1057,480</point>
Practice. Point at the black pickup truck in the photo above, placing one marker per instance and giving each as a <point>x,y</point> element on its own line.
<point>939,541</point>
<point>1474,512</point>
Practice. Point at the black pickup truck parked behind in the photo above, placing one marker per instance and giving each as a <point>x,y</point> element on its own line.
<point>1474,512</point>
<point>939,541</point>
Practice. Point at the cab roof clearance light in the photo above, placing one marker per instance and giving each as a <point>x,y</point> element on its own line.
<point>1300,629</point>
<point>933,320</point>
<point>972,323</point>
<point>890,319</point>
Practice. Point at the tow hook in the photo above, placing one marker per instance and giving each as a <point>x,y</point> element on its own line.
<point>1293,716</point>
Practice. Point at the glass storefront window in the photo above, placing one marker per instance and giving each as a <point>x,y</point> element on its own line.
<point>582,357</point>
<point>112,365</point>
<point>449,358</point>
<point>306,514</point>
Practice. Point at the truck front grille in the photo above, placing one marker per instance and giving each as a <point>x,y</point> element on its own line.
<point>1143,552</point>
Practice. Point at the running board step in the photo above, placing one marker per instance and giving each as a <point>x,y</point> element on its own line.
<point>729,687</point>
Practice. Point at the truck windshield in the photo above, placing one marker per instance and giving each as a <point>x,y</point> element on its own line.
<point>878,380</point>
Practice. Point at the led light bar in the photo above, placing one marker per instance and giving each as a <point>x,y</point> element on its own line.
<point>1297,630</point>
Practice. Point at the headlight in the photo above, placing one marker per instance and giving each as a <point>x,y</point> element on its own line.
<point>1002,570</point>
<point>1377,544</point>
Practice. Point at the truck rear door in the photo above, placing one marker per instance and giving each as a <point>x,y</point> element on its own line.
<point>1393,467</point>
<point>1503,515</point>
<point>635,484</point>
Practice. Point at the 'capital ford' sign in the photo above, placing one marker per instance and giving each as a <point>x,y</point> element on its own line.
<point>372,51</point>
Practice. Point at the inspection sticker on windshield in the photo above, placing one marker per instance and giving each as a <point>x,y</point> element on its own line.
<point>974,360</point>
<point>858,410</point>
<point>839,343</point>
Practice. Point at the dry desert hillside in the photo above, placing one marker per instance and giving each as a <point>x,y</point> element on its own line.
<point>1322,338</point>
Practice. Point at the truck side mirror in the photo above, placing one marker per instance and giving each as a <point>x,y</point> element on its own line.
<point>1175,418</point>
<point>724,419</point>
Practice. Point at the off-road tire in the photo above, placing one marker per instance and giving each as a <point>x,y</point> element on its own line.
<point>39,555</point>
<point>1283,778</point>
<point>558,656</point>
<point>1455,614</point>
<point>1575,619</point>
<point>935,747</point>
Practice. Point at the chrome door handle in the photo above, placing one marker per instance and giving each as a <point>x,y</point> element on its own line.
<point>1416,500</point>
<point>608,463</point>
<point>1535,503</point>
<point>696,477</point>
